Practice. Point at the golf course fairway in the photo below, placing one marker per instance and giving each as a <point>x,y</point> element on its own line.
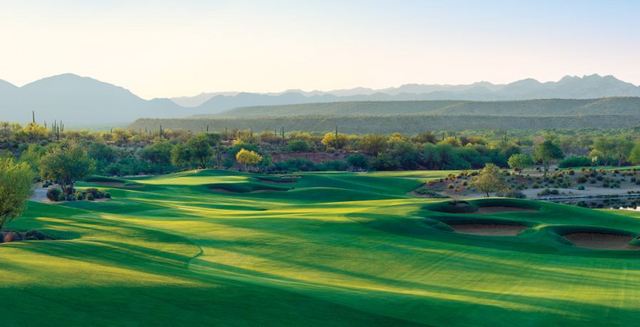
<point>221,248</point>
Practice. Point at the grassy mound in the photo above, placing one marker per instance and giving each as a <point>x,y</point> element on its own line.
<point>245,187</point>
<point>278,179</point>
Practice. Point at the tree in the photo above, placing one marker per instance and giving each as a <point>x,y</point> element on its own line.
<point>622,149</point>
<point>15,187</point>
<point>545,153</point>
<point>197,151</point>
<point>103,154</point>
<point>607,149</point>
<point>298,146</point>
<point>248,158</point>
<point>32,156</point>
<point>373,144</point>
<point>200,149</point>
<point>158,153</point>
<point>489,180</point>
<point>520,161</point>
<point>181,155</point>
<point>405,153</point>
<point>634,156</point>
<point>358,161</point>
<point>65,164</point>
<point>334,140</point>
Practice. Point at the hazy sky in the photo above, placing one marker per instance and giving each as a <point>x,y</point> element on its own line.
<point>183,47</point>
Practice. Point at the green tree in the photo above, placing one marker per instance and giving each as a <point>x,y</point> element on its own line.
<point>622,149</point>
<point>520,161</point>
<point>634,156</point>
<point>489,180</point>
<point>158,153</point>
<point>608,149</point>
<point>103,155</point>
<point>373,144</point>
<point>298,146</point>
<point>65,164</point>
<point>358,161</point>
<point>32,156</point>
<point>200,147</point>
<point>546,152</point>
<point>16,180</point>
<point>181,156</point>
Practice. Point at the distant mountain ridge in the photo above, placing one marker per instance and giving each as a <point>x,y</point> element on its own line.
<point>569,87</point>
<point>80,101</point>
<point>84,101</point>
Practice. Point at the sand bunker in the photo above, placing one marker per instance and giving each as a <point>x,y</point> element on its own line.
<point>487,229</point>
<point>499,209</point>
<point>601,240</point>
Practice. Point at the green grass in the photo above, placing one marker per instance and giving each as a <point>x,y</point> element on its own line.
<point>335,249</point>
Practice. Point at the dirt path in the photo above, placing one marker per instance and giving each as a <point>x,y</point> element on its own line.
<point>39,194</point>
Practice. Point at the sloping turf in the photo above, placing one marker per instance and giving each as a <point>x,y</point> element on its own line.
<point>335,249</point>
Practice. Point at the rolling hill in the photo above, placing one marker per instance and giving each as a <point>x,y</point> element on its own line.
<point>529,108</point>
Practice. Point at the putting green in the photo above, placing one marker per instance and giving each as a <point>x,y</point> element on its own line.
<point>330,249</point>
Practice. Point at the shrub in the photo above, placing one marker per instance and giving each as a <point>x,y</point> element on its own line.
<point>54,194</point>
<point>547,191</point>
<point>575,161</point>
<point>513,194</point>
<point>296,164</point>
<point>338,165</point>
<point>358,161</point>
<point>580,187</point>
<point>298,146</point>
<point>90,197</point>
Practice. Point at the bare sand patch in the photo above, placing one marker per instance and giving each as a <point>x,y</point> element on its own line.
<point>487,229</point>
<point>498,209</point>
<point>601,240</point>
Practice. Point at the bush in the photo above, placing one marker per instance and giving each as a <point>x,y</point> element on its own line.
<point>580,187</point>
<point>90,197</point>
<point>385,162</point>
<point>296,164</point>
<point>298,146</point>
<point>358,161</point>
<point>337,165</point>
<point>575,161</point>
<point>513,194</point>
<point>547,191</point>
<point>54,194</point>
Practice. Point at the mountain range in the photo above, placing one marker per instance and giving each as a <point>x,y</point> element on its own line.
<point>83,101</point>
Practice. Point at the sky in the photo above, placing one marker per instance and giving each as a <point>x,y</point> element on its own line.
<point>169,48</point>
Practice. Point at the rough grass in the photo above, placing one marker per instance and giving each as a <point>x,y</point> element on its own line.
<point>337,249</point>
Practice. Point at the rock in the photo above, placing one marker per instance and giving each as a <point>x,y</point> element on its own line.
<point>11,237</point>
